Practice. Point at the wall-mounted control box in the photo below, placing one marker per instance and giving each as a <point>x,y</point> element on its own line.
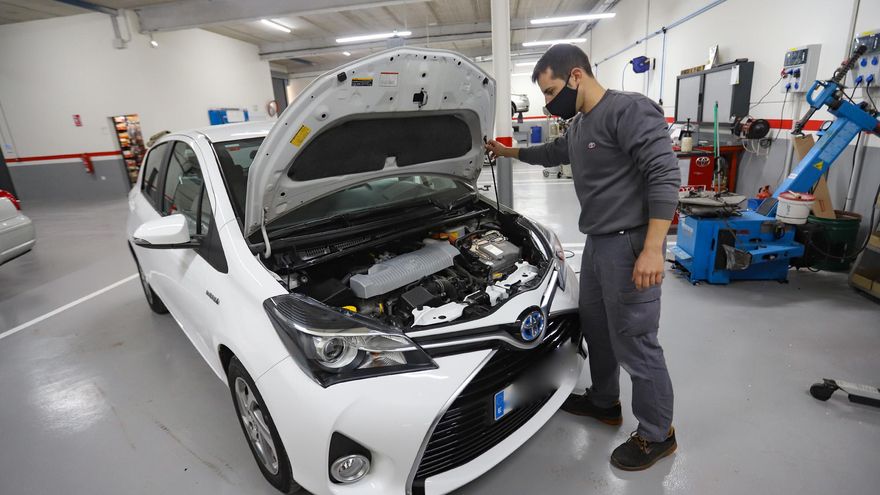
<point>799,68</point>
<point>867,69</point>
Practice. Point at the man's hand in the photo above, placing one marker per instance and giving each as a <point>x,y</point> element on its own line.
<point>648,270</point>
<point>497,149</point>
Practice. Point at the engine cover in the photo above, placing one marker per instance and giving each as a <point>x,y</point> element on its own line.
<point>405,269</point>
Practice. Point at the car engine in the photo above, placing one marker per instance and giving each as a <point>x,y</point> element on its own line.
<point>438,277</point>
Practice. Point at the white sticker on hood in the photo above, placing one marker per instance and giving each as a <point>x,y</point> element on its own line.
<point>388,78</point>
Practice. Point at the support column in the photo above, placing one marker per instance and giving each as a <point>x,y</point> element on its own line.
<point>501,68</point>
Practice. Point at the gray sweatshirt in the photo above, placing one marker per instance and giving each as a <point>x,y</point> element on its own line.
<point>624,169</point>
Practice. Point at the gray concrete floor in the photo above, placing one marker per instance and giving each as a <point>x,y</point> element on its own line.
<point>107,398</point>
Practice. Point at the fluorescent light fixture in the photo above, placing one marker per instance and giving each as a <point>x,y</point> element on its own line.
<point>347,54</point>
<point>553,42</point>
<point>573,18</point>
<point>153,43</point>
<point>275,25</point>
<point>521,74</point>
<point>526,64</point>
<point>373,37</point>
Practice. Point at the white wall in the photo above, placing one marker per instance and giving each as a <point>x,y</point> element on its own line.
<point>54,68</point>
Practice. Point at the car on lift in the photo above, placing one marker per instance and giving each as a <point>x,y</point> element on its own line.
<point>382,327</point>
<point>17,235</point>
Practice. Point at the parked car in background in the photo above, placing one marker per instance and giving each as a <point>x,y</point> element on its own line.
<point>16,229</point>
<point>519,104</point>
<point>382,328</point>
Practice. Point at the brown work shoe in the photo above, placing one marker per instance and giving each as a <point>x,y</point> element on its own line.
<point>637,453</point>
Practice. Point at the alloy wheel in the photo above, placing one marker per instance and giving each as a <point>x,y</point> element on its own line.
<point>251,413</point>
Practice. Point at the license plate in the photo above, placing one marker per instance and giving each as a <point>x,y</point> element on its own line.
<point>503,402</point>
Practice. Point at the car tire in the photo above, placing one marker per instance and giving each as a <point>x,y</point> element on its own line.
<point>259,429</point>
<point>153,299</point>
<point>513,109</point>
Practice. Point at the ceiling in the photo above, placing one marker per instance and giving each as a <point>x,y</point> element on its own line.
<point>461,25</point>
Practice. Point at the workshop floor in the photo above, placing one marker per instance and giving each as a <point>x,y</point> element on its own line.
<point>105,397</point>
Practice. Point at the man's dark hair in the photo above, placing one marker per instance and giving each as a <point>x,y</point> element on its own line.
<point>562,59</point>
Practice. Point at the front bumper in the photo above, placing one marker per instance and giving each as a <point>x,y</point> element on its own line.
<point>394,417</point>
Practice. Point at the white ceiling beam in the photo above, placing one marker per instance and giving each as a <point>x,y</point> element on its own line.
<point>420,36</point>
<point>185,14</point>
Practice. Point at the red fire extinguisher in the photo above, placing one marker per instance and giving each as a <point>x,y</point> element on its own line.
<point>87,162</point>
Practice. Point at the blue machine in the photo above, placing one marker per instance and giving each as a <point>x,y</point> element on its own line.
<point>730,244</point>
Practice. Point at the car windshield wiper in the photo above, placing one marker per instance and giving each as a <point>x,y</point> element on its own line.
<point>350,216</point>
<point>461,200</point>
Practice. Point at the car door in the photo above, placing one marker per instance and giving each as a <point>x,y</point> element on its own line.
<point>144,204</point>
<point>185,273</point>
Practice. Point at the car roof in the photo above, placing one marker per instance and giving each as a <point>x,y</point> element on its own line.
<point>230,132</point>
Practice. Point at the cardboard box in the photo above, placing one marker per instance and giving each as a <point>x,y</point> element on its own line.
<point>822,208</point>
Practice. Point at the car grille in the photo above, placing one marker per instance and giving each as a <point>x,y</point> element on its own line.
<point>468,429</point>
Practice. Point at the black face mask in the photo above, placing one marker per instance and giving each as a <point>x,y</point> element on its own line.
<point>564,104</point>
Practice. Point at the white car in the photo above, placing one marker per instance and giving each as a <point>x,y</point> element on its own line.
<point>17,235</point>
<point>381,327</point>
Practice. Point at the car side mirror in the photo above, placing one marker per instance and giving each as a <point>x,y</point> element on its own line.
<point>169,232</point>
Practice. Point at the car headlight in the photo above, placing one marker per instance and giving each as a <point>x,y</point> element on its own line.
<point>551,243</point>
<point>334,345</point>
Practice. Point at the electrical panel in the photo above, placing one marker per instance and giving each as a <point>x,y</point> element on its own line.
<point>867,69</point>
<point>799,68</point>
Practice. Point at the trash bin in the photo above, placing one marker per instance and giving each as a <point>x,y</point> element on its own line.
<point>829,243</point>
<point>536,135</point>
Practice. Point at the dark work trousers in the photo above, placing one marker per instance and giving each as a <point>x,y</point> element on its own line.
<point>620,325</point>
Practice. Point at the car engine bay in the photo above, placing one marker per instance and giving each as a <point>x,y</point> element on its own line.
<point>461,271</point>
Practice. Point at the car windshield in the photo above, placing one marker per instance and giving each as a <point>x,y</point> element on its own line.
<point>383,192</point>
<point>235,159</point>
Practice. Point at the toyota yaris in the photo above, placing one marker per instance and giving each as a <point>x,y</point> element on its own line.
<point>382,328</point>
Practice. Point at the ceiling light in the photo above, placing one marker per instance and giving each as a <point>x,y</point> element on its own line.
<point>573,18</point>
<point>276,25</point>
<point>554,42</point>
<point>526,64</point>
<point>347,54</point>
<point>372,37</point>
<point>153,43</point>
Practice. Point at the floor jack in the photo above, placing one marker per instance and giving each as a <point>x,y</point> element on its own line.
<point>719,242</point>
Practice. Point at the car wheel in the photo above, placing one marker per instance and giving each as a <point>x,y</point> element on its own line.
<point>512,109</point>
<point>259,429</point>
<point>153,300</point>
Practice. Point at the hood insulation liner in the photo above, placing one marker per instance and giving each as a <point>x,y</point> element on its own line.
<point>369,145</point>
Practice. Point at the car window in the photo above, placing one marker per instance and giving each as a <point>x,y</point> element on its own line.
<point>152,166</point>
<point>235,158</point>
<point>184,189</point>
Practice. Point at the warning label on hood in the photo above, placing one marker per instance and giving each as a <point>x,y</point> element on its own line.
<point>361,81</point>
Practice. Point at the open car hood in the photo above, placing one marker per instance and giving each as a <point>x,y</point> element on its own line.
<point>400,111</point>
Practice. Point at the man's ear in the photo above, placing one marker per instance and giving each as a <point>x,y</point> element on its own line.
<point>578,75</point>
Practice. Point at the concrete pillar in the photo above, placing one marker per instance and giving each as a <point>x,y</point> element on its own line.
<point>501,67</point>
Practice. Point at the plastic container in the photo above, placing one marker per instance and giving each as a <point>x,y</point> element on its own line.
<point>829,244</point>
<point>536,134</point>
<point>687,144</point>
<point>794,208</point>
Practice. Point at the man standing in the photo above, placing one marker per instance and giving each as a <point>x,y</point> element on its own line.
<point>626,178</point>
